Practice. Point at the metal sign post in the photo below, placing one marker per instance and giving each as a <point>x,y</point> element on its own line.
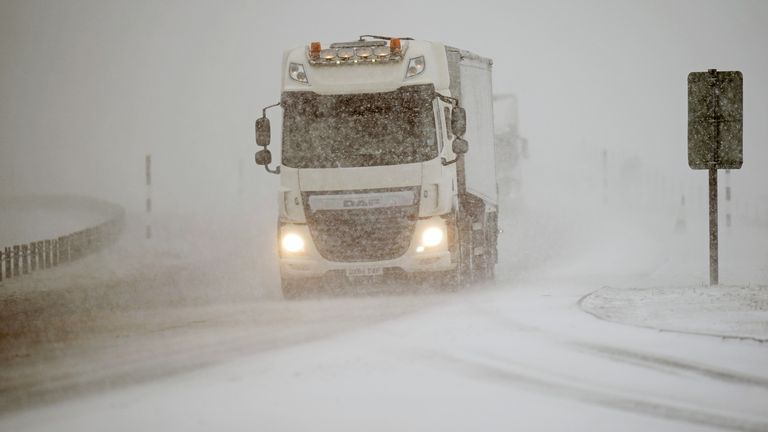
<point>714,267</point>
<point>715,130</point>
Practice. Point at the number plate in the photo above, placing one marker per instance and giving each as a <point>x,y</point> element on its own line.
<point>365,271</point>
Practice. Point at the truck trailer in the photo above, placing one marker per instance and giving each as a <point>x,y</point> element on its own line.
<point>387,166</point>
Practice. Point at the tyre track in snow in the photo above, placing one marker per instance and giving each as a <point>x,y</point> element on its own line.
<point>670,364</point>
<point>506,375</point>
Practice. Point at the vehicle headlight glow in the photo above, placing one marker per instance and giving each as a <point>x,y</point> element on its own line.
<point>432,236</point>
<point>292,243</point>
<point>416,66</point>
<point>296,72</point>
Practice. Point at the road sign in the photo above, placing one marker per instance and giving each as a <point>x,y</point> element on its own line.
<point>715,130</point>
<point>715,120</point>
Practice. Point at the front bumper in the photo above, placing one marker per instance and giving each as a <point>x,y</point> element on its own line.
<point>417,259</point>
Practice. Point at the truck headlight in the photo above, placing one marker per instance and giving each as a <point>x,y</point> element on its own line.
<point>296,72</point>
<point>415,66</point>
<point>292,243</point>
<point>432,236</point>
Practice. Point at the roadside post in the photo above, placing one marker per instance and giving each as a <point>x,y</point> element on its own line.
<point>148,202</point>
<point>715,131</point>
<point>728,198</point>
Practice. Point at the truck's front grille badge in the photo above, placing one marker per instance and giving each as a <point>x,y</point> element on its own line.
<point>354,235</point>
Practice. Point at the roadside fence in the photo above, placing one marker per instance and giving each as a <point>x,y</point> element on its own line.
<point>26,258</point>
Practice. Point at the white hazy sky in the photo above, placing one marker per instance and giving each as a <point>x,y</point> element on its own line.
<point>87,87</point>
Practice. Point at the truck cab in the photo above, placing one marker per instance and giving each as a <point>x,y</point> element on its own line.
<point>377,179</point>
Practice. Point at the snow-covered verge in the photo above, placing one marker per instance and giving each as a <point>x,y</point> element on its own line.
<point>725,311</point>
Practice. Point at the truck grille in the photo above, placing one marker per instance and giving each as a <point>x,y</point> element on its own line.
<point>355,235</point>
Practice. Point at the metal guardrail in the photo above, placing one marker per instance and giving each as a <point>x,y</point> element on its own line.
<point>26,258</point>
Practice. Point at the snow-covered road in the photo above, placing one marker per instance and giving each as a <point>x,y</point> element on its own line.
<point>490,359</point>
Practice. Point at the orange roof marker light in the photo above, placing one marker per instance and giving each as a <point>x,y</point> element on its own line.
<point>394,45</point>
<point>314,50</point>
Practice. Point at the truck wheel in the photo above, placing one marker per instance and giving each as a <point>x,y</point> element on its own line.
<point>484,270</point>
<point>483,262</point>
<point>484,257</point>
<point>492,240</point>
<point>461,276</point>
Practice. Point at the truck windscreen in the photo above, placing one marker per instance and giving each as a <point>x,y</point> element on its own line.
<point>359,130</point>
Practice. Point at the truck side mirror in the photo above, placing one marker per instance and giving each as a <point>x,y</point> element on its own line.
<point>460,146</point>
<point>263,131</point>
<point>458,121</point>
<point>263,157</point>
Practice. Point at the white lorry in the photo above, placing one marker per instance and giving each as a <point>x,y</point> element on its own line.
<point>387,164</point>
